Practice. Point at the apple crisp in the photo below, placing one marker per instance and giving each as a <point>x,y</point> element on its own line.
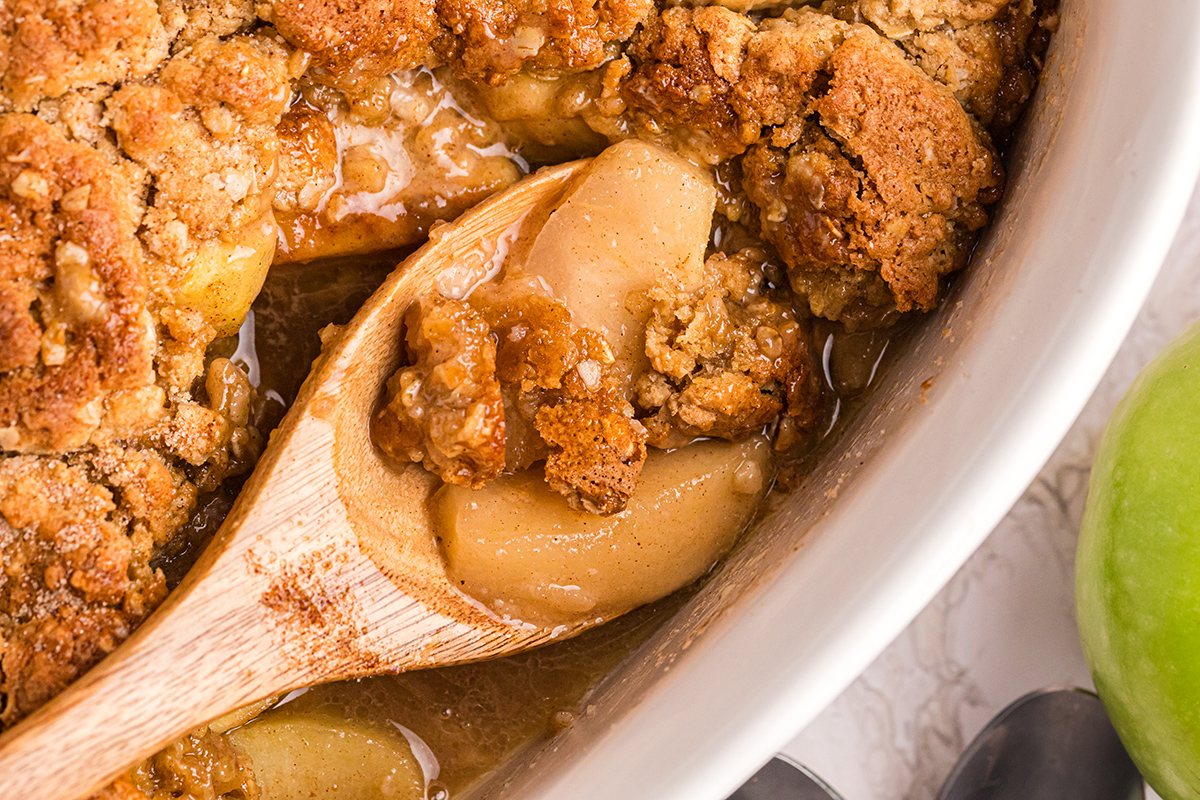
<point>158,156</point>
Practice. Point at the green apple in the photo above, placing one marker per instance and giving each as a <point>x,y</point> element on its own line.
<point>1137,582</point>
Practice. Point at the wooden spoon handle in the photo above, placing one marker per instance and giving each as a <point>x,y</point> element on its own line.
<point>200,659</point>
<point>238,629</point>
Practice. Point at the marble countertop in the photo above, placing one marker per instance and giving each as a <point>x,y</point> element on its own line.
<point>1005,624</point>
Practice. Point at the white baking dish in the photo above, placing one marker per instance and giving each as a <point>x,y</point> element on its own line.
<point>959,427</point>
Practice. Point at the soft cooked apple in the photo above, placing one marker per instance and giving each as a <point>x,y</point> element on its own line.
<point>638,216</point>
<point>315,756</point>
<point>225,275</point>
<point>520,549</point>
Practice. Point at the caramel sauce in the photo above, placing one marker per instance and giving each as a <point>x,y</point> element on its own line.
<point>466,721</point>
<point>403,155</point>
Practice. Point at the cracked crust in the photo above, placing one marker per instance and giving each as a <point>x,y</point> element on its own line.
<point>484,40</point>
<point>444,410</point>
<point>868,176</point>
<point>77,533</point>
<point>889,176</point>
<point>48,47</point>
<point>205,133</point>
<point>988,53</point>
<point>596,451</point>
<point>728,359</point>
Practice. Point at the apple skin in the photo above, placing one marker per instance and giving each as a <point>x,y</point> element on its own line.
<point>1137,579</point>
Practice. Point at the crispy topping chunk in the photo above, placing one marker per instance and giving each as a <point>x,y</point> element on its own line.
<point>890,176</point>
<point>897,18</point>
<point>727,359</point>
<point>445,409</point>
<point>487,40</point>
<point>49,47</point>
<point>991,63</point>
<point>75,581</point>
<point>564,398</point>
<point>73,288</point>
<point>597,452</point>
<point>868,176</point>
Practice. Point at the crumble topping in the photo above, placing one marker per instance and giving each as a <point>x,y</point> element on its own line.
<point>485,40</point>
<point>75,541</point>
<point>49,47</point>
<point>507,379</point>
<point>112,419</point>
<point>596,450</point>
<point>565,398</point>
<point>988,52</point>
<point>445,409</point>
<point>73,288</point>
<point>139,141</point>
<point>728,359</point>
<point>888,176</point>
<point>897,18</point>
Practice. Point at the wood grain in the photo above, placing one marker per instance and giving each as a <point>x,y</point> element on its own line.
<point>325,568</point>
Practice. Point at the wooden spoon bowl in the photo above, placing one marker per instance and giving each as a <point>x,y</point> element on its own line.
<point>325,569</point>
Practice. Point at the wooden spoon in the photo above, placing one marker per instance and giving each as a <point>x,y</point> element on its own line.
<point>325,569</point>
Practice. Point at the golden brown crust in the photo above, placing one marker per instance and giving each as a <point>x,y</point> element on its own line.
<point>504,381</point>
<point>487,40</point>
<point>712,81</point>
<point>308,159</point>
<point>74,275</point>
<point>914,141</point>
<point>444,409</point>
<point>898,18</point>
<point>890,175</point>
<point>538,345</point>
<point>189,20</point>
<point>205,133</point>
<point>75,555</point>
<point>564,398</point>
<point>77,534</point>
<point>727,359</point>
<point>48,47</point>
<point>491,39</point>
<point>246,74</point>
<point>988,52</point>
<point>856,160</point>
<point>105,202</point>
<point>686,64</point>
<point>596,451</point>
<point>356,41</point>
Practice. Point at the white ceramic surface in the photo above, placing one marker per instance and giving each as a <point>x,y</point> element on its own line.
<point>1005,624</point>
<point>955,433</point>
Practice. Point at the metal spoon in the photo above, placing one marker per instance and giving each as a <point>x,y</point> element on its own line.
<point>783,779</point>
<point>1048,745</point>
<point>1052,744</point>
